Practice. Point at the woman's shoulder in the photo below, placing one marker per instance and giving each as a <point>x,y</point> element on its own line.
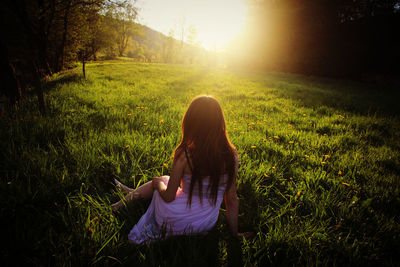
<point>232,150</point>
<point>179,156</point>
<point>181,160</point>
<point>235,155</point>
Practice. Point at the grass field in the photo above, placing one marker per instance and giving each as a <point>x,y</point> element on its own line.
<point>318,177</point>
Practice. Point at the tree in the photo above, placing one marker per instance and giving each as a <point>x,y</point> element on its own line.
<point>168,47</point>
<point>191,40</point>
<point>123,24</point>
<point>139,53</point>
<point>87,33</point>
<point>32,22</point>
<point>44,36</point>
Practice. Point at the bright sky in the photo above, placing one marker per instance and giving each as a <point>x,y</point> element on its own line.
<point>217,21</point>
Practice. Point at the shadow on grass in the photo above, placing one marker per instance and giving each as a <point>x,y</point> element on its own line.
<point>347,96</point>
<point>64,78</point>
<point>196,250</point>
<point>211,249</point>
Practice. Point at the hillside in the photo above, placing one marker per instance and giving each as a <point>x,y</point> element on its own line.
<point>152,46</point>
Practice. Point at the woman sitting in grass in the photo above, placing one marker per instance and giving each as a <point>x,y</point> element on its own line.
<point>204,171</point>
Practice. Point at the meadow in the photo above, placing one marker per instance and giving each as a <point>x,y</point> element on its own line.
<point>318,179</point>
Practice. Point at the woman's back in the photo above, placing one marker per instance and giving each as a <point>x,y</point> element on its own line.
<point>199,216</point>
<point>206,189</point>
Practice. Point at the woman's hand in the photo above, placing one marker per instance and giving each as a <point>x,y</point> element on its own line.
<point>158,184</point>
<point>116,206</point>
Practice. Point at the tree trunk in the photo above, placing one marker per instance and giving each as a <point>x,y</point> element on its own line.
<point>38,86</point>
<point>83,68</point>
<point>11,87</point>
<point>19,87</point>
<point>84,63</point>
<point>64,38</point>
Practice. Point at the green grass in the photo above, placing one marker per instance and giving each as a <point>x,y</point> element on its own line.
<point>318,178</point>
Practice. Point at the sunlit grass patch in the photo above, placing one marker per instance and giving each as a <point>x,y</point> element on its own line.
<point>318,177</point>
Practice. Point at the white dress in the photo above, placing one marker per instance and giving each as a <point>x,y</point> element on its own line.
<point>177,217</point>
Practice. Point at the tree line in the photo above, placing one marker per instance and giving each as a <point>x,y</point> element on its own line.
<point>179,46</point>
<point>43,37</point>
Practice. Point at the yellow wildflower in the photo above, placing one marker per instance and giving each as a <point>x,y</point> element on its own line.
<point>94,219</point>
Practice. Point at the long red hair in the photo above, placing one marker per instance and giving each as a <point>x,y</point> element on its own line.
<point>206,142</point>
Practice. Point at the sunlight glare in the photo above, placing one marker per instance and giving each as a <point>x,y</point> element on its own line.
<point>217,22</point>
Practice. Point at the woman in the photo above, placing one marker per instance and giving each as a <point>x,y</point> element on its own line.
<point>204,171</point>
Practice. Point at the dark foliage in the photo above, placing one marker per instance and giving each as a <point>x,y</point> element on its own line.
<point>352,39</point>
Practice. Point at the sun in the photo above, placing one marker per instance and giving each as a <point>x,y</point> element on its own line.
<point>222,22</point>
<point>217,22</point>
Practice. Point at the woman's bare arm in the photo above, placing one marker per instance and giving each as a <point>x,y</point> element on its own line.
<point>168,193</point>
<point>232,204</point>
<point>232,211</point>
